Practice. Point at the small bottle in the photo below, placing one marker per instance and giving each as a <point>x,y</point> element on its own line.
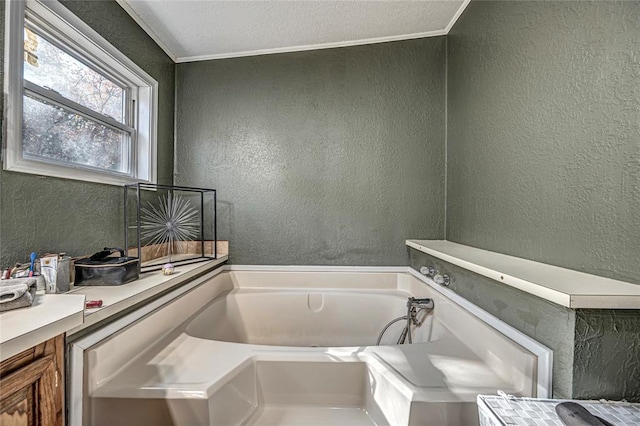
<point>167,269</point>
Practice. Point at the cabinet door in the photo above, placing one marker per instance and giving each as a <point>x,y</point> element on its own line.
<point>17,409</point>
<point>31,386</point>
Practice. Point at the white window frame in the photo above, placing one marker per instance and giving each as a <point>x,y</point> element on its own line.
<point>71,31</point>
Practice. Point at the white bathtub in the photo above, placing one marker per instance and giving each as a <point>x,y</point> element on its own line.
<point>269,347</point>
<point>312,318</point>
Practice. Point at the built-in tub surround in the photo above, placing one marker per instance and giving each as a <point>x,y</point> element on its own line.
<point>188,375</point>
<point>595,351</point>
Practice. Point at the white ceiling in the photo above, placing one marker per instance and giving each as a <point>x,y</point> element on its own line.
<point>193,30</point>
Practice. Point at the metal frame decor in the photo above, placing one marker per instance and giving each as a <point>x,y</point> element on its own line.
<point>168,225</point>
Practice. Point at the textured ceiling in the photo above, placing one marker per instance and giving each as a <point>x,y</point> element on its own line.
<point>208,29</point>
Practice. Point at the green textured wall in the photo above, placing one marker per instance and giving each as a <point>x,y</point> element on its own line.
<point>544,133</point>
<point>48,214</point>
<point>607,350</point>
<point>327,157</point>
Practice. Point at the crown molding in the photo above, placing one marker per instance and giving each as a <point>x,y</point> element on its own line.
<point>307,47</point>
<point>457,15</point>
<point>147,29</point>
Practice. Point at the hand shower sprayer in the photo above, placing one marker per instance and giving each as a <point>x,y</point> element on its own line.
<point>414,307</point>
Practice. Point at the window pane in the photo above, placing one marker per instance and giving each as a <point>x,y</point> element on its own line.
<point>53,133</point>
<point>48,66</point>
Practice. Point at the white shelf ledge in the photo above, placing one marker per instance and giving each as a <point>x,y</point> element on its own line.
<point>565,287</point>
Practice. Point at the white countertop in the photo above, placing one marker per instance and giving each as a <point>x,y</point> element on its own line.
<point>565,287</point>
<point>49,316</point>
<point>116,299</point>
<point>54,314</point>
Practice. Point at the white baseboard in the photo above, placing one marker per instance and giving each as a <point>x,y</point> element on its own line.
<point>321,268</point>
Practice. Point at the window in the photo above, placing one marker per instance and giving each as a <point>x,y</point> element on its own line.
<point>76,107</point>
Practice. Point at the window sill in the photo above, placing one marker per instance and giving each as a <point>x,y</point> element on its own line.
<point>52,170</point>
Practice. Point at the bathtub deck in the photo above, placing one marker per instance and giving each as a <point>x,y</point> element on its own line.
<point>292,415</point>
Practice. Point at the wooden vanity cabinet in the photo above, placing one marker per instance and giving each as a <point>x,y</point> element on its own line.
<point>32,386</point>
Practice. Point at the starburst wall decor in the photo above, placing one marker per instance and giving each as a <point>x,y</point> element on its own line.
<point>173,220</point>
<point>169,225</point>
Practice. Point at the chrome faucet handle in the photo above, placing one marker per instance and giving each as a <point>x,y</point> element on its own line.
<point>427,270</point>
<point>425,303</point>
<point>442,279</point>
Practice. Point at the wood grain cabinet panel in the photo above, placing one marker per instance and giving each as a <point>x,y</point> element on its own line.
<point>32,386</point>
